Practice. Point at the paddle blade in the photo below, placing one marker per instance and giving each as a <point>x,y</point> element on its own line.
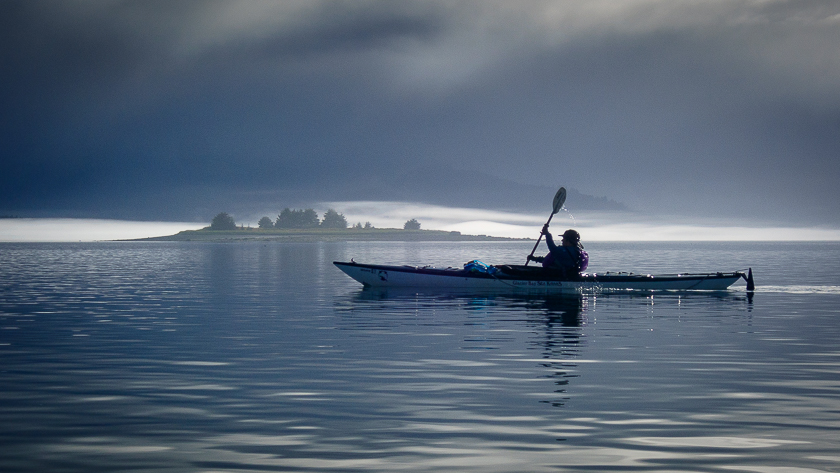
<point>559,200</point>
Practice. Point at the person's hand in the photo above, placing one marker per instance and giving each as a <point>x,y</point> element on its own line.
<point>544,229</point>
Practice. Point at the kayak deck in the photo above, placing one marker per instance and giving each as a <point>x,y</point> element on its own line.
<point>525,278</point>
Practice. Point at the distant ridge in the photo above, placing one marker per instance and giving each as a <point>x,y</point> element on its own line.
<point>459,188</point>
<point>435,185</point>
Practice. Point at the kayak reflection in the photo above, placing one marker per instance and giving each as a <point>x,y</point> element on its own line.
<point>562,309</point>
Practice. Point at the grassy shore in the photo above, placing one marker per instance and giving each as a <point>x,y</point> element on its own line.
<point>322,234</point>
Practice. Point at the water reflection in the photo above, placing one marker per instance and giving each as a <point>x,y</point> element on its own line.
<point>563,308</point>
<point>562,317</point>
<point>555,323</point>
<point>550,324</point>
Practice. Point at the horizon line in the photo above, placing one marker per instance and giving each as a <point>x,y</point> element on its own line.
<point>25,229</point>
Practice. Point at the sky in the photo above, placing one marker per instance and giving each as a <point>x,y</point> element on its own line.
<point>175,111</point>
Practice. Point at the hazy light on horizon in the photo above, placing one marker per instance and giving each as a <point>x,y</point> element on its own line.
<point>593,226</point>
<point>86,230</point>
<point>652,232</point>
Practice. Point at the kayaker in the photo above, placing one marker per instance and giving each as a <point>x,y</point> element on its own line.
<point>569,258</point>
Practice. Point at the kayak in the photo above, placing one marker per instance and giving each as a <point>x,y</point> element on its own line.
<point>515,278</point>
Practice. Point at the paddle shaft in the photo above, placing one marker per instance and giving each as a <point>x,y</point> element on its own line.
<point>528,259</point>
<point>559,199</point>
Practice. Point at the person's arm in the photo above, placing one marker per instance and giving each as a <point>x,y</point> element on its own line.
<point>549,240</point>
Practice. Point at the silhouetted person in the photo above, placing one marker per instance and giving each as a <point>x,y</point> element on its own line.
<point>568,258</point>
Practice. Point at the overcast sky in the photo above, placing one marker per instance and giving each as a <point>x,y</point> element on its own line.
<point>176,110</point>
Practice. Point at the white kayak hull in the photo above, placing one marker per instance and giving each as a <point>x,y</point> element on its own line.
<point>520,278</point>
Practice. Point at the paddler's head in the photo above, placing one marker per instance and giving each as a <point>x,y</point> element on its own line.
<point>571,238</point>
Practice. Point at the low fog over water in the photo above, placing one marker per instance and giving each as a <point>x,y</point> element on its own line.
<point>594,226</point>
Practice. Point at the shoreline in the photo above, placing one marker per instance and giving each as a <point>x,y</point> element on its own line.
<point>327,235</point>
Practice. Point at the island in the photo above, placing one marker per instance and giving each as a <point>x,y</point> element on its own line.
<point>305,226</point>
<point>323,234</point>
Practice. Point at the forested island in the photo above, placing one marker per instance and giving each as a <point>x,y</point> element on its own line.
<point>305,226</point>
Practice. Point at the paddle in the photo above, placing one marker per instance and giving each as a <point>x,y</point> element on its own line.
<point>559,200</point>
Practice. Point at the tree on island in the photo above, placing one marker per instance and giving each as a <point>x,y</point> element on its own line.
<point>333,219</point>
<point>297,219</point>
<point>412,224</point>
<point>265,223</point>
<point>223,221</point>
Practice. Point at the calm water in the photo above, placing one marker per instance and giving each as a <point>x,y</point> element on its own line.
<point>264,357</point>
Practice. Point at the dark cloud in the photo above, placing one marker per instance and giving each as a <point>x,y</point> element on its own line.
<point>176,109</point>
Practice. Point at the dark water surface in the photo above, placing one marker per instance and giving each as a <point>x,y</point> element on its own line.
<point>264,357</point>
